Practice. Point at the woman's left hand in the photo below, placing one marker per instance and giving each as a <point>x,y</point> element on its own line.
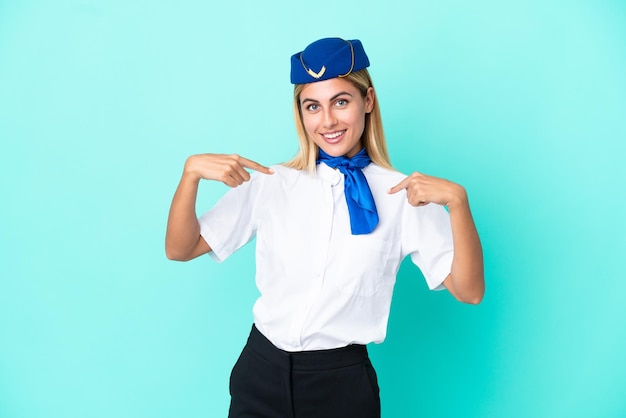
<point>466,280</point>
<point>422,190</point>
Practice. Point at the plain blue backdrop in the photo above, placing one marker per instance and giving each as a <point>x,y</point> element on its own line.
<point>101,102</point>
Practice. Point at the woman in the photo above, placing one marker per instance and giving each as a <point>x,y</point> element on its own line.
<point>332,226</point>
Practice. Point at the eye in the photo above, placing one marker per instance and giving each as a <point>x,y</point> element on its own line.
<point>341,103</point>
<point>312,107</point>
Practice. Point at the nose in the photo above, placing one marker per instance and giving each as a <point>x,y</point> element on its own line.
<point>329,118</point>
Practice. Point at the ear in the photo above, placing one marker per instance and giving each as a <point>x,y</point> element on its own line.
<point>370,97</point>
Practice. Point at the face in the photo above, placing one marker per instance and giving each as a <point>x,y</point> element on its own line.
<point>333,114</point>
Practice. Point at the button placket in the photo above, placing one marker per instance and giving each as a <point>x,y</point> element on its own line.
<point>328,181</point>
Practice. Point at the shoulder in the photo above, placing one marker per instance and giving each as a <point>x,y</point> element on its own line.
<point>377,174</point>
<point>381,179</point>
<point>280,173</point>
<point>282,177</point>
<point>285,172</point>
<point>377,170</point>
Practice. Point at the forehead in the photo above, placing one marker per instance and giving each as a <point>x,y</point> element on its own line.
<point>327,89</point>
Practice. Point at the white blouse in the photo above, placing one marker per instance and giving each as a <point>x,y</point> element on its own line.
<point>322,287</point>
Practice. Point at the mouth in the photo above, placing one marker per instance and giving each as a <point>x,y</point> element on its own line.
<point>333,137</point>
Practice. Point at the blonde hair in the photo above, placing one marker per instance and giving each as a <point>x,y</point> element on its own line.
<point>373,137</point>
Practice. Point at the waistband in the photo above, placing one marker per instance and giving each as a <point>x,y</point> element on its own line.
<point>306,360</point>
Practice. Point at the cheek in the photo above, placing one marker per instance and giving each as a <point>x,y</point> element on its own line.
<point>358,120</point>
<point>309,124</point>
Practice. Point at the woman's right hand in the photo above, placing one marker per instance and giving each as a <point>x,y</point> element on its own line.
<point>182,239</point>
<point>230,169</point>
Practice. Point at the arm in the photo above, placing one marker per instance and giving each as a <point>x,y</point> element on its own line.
<point>466,279</point>
<point>182,239</point>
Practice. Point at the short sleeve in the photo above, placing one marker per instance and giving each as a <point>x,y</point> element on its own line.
<point>427,238</point>
<point>231,223</point>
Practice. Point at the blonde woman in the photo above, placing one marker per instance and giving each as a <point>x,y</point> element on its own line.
<point>332,226</point>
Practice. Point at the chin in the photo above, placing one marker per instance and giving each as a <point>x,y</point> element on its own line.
<point>335,151</point>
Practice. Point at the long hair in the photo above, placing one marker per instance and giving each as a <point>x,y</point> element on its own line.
<point>373,137</point>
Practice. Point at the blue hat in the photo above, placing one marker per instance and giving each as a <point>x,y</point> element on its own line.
<point>327,58</point>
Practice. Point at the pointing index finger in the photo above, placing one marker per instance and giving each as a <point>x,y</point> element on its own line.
<point>255,166</point>
<point>400,186</point>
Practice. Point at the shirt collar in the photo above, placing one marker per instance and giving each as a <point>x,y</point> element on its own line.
<point>329,174</point>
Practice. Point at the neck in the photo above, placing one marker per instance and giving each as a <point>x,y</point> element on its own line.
<point>350,155</point>
<point>353,153</point>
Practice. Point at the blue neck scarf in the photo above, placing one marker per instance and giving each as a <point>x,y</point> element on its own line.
<point>361,206</point>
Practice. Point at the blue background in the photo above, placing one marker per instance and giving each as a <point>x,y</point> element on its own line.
<point>101,102</point>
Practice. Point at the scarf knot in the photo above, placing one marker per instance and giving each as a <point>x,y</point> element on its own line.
<point>361,206</point>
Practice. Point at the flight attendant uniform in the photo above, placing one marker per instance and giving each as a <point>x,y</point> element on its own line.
<point>325,293</point>
<point>328,248</point>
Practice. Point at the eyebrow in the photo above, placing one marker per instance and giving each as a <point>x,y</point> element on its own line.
<point>331,99</point>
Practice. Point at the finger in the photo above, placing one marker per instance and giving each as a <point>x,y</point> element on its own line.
<point>230,182</point>
<point>232,179</point>
<point>233,174</point>
<point>255,166</point>
<point>239,172</point>
<point>400,186</point>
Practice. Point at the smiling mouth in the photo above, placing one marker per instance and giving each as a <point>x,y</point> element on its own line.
<point>333,135</point>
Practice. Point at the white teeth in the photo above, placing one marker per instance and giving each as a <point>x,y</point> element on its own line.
<point>334,135</point>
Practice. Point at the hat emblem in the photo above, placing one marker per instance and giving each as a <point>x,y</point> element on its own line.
<point>316,75</point>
